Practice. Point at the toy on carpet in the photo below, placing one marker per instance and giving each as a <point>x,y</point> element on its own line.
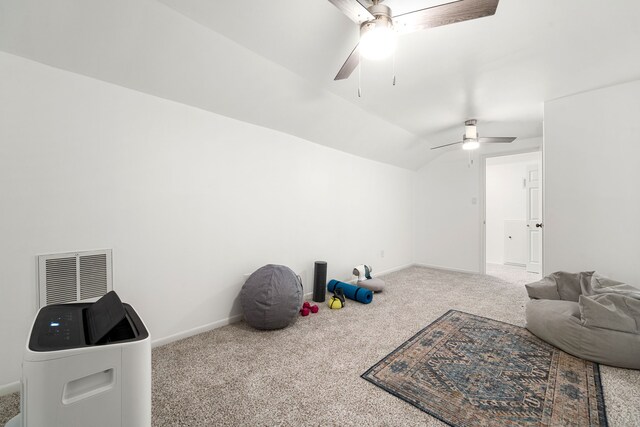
<point>337,301</point>
<point>308,308</point>
<point>363,273</point>
<point>355,293</point>
<point>271,297</point>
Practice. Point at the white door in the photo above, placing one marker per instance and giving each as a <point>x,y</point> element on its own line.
<point>534,219</point>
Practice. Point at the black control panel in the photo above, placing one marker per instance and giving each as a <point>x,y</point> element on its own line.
<point>65,326</point>
<point>60,326</point>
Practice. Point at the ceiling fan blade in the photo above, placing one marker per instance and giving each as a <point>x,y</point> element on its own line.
<point>497,139</point>
<point>446,145</point>
<point>354,10</point>
<point>445,14</point>
<point>349,65</point>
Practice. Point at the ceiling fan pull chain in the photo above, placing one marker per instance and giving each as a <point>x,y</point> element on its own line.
<point>394,68</point>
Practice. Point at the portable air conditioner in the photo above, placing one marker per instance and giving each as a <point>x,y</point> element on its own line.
<point>86,364</point>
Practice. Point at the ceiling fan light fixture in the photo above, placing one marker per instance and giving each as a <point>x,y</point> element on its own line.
<point>471,140</point>
<point>470,131</point>
<point>470,144</point>
<point>378,39</point>
<point>379,16</point>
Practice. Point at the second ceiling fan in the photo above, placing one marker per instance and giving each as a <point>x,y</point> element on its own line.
<point>378,25</point>
<point>471,140</point>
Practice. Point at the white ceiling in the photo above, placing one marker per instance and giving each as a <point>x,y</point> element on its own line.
<point>272,63</point>
<point>513,158</point>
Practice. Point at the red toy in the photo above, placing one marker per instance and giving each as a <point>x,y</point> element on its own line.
<point>308,308</point>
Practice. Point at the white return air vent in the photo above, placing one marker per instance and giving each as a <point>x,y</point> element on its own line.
<point>74,276</point>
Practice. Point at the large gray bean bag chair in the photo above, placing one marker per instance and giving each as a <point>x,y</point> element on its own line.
<point>271,297</point>
<point>587,315</point>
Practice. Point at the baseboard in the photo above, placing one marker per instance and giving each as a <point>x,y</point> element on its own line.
<point>195,331</point>
<point>515,264</point>
<point>15,386</point>
<point>439,267</point>
<point>9,388</point>
<point>393,270</point>
<point>205,328</point>
<point>354,280</point>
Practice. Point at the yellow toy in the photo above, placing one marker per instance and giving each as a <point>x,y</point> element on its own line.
<point>335,303</point>
<point>337,300</point>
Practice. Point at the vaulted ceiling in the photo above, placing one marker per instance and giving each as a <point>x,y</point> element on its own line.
<point>272,63</point>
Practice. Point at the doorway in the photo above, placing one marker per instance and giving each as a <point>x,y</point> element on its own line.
<point>513,217</point>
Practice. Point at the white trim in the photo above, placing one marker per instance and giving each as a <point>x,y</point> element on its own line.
<point>483,197</point>
<point>354,280</point>
<point>544,192</point>
<point>15,386</point>
<point>394,269</point>
<point>515,264</point>
<point>236,318</point>
<point>9,388</point>
<point>483,213</point>
<point>439,267</point>
<point>195,331</point>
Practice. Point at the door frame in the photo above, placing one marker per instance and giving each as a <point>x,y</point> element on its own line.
<point>483,200</point>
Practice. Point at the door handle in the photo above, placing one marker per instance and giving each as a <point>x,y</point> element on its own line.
<point>539,225</point>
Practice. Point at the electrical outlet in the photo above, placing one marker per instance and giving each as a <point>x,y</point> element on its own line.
<point>382,253</point>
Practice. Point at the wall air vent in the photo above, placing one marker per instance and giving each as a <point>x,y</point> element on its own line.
<point>74,276</point>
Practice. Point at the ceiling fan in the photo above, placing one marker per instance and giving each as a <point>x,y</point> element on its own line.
<point>378,25</point>
<point>471,140</point>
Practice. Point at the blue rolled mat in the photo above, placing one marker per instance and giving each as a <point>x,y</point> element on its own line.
<point>355,293</point>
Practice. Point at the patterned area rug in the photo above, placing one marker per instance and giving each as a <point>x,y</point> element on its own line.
<point>468,370</point>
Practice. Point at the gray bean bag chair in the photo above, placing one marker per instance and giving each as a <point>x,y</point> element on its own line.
<point>271,297</point>
<point>587,315</point>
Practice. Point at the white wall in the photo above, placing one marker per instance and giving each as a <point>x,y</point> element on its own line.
<point>188,200</point>
<point>506,199</point>
<point>147,46</point>
<point>592,203</point>
<point>447,221</point>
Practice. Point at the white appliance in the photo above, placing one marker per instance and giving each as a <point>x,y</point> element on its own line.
<point>86,364</point>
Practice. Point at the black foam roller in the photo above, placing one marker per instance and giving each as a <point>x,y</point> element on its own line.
<point>319,281</point>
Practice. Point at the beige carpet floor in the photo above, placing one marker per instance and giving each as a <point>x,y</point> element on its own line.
<point>309,373</point>
<point>512,274</point>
